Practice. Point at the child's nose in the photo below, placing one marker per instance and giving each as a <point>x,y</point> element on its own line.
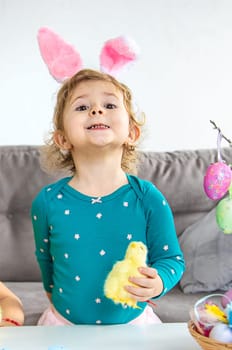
<point>95,111</point>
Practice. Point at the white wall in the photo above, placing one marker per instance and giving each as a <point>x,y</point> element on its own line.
<point>182,80</point>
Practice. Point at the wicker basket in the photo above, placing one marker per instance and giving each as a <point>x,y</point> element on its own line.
<point>205,342</point>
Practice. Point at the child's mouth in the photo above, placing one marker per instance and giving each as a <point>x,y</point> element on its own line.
<point>98,127</point>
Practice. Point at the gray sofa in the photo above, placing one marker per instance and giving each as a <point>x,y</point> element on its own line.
<point>179,175</point>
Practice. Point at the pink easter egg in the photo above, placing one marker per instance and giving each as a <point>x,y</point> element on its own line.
<point>217,180</point>
<point>227,298</point>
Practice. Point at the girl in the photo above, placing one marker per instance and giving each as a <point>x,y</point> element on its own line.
<point>11,310</point>
<point>83,223</point>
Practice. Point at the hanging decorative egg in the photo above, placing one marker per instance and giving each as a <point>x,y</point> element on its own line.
<point>217,180</point>
<point>224,214</point>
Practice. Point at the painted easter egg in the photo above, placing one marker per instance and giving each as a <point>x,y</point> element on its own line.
<point>227,298</point>
<point>224,214</point>
<point>221,332</point>
<point>217,180</point>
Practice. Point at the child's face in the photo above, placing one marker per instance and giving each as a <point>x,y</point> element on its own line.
<point>94,116</point>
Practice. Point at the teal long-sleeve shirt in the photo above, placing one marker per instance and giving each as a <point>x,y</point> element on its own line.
<point>79,238</point>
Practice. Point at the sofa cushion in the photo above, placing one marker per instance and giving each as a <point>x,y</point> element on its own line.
<point>207,252</point>
<point>21,178</point>
<point>179,176</point>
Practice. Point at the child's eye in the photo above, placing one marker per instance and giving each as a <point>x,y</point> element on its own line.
<point>110,106</point>
<point>81,108</point>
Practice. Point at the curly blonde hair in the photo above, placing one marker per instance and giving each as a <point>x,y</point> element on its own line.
<point>53,159</point>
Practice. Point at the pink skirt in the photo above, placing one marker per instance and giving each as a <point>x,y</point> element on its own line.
<point>51,317</point>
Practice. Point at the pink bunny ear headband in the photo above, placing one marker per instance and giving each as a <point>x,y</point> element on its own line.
<point>63,61</point>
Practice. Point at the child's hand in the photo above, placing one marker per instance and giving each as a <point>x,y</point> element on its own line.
<point>147,286</point>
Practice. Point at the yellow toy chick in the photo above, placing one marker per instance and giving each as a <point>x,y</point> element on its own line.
<point>117,278</point>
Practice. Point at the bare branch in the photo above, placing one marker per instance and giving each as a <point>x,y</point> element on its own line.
<point>219,130</point>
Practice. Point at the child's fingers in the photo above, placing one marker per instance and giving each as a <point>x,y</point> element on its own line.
<point>143,282</point>
<point>139,294</point>
<point>148,271</point>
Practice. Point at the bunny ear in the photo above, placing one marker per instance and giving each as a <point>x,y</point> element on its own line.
<point>62,60</point>
<point>117,53</point>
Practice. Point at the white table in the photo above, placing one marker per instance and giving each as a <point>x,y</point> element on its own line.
<point>166,336</point>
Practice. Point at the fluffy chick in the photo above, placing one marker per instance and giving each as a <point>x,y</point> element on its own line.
<point>117,278</point>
